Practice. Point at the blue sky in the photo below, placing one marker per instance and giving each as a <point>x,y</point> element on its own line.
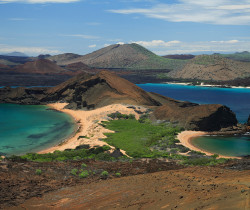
<point>166,27</point>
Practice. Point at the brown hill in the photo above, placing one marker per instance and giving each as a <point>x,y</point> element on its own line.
<point>100,90</point>
<point>42,66</point>
<point>64,59</point>
<point>212,67</point>
<point>192,116</point>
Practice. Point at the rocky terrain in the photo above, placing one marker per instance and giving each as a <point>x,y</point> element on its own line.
<point>63,59</point>
<point>191,116</point>
<point>105,88</point>
<point>212,68</point>
<point>144,184</point>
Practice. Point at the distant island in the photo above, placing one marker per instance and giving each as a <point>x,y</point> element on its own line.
<point>130,61</point>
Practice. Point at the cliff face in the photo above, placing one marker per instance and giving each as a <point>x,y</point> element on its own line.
<point>105,88</point>
<point>191,116</point>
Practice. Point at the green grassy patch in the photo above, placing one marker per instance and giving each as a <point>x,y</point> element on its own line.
<point>136,138</point>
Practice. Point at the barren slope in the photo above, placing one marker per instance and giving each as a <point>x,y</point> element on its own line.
<point>212,67</point>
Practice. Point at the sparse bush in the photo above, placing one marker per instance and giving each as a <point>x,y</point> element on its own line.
<point>84,174</point>
<point>84,165</point>
<point>118,174</point>
<point>104,175</point>
<point>38,171</point>
<point>74,171</point>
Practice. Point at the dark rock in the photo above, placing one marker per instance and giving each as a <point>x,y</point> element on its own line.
<point>192,116</point>
<point>117,153</point>
<point>248,121</point>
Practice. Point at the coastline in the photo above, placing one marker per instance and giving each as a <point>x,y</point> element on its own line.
<point>89,131</point>
<point>202,85</point>
<point>185,138</point>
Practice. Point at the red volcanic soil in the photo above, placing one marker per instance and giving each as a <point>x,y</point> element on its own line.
<point>42,66</point>
<point>152,185</point>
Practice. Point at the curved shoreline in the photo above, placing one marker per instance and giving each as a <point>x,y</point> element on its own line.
<point>185,138</point>
<point>89,130</point>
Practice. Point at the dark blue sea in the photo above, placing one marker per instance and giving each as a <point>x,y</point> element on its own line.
<point>238,99</point>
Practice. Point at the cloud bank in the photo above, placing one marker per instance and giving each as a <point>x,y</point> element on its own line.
<point>223,12</point>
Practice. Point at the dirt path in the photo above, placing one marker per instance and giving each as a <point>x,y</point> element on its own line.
<point>188,188</point>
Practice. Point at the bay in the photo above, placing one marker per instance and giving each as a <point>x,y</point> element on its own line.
<point>31,128</point>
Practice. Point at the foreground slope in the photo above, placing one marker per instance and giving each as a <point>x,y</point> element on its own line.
<point>172,188</point>
<point>212,67</point>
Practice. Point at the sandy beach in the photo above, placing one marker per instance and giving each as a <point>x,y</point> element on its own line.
<point>88,125</point>
<point>185,137</point>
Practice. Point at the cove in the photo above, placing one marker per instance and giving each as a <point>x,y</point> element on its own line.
<point>31,128</point>
<point>236,146</point>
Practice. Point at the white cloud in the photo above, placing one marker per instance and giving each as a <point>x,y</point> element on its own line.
<point>227,42</point>
<point>92,46</point>
<point>27,50</point>
<point>83,36</point>
<point>223,12</point>
<point>37,1</point>
<point>157,43</point>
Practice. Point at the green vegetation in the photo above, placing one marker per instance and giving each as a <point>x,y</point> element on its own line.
<point>74,171</point>
<point>118,115</point>
<point>118,174</point>
<point>154,61</point>
<point>242,56</point>
<point>84,174</point>
<point>84,165</point>
<point>136,138</point>
<point>143,139</point>
<point>104,175</point>
<point>207,59</point>
<point>38,171</point>
<point>98,153</point>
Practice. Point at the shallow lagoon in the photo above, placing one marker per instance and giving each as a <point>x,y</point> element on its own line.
<point>31,128</point>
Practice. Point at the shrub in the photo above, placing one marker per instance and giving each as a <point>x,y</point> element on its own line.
<point>84,165</point>
<point>74,171</point>
<point>38,171</point>
<point>104,174</point>
<point>118,174</point>
<point>84,174</point>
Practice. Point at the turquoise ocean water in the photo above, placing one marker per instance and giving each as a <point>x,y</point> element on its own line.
<point>28,128</point>
<point>238,99</point>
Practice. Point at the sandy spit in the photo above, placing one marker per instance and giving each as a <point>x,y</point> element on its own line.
<point>88,125</point>
<point>185,138</point>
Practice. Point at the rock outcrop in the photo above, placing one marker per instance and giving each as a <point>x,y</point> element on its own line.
<point>248,121</point>
<point>191,116</point>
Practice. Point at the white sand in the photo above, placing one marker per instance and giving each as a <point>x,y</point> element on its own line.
<point>88,122</point>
